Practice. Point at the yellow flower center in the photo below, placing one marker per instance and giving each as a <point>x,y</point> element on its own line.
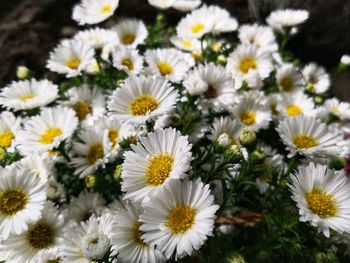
<point>246,64</point>
<point>106,9</point>
<point>6,138</point>
<point>186,43</point>
<point>335,110</point>
<point>293,110</point>
<point>248,117</point>
<point>73,63</point>
<point>128,63</point>
<point>113,136</point>
<point>128,39</point>
<point>136,233</point>
<point>12,201</point>
<point>197,55</point>
<point>165,68</point>
<point>95,153</point>
<point>49,135</point>
<point>159,168</point>
<point>196,28</point>
<point>27,96</point>
<point>321,204</point>
<point>40,236</point>
<point>304,141</point>
<point>286,83</point>
<point>82,109</point>
<point>142,105</point>
<point>181,218</point>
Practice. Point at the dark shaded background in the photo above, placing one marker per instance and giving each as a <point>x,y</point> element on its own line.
<point>29,29</point>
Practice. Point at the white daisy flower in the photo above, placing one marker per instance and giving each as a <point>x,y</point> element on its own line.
<point>128,60</point>
<point>47,130</point>
<point>252,112</point>
<point>88,241</point>
<point>289,79</point>
<point>81,208</point>
<point>179,218</point>
<point>222,20</point>
<point>126,236</point>
<point>28,94</point>
<point>169,63</point>
<point>91,151</point>
<point>185,5</point>
<point>295,104</point>
<point>186,43</point>
<point>42,236</point>
<point>88,103</point>
<point>22,197</point>
<point>250,64</point>
<point>214,85</point>
<point>260,36</point>
<point>98,38</point>
<point>71,58</point>
<point>159,157</point>
<point>131,32</point>
<point>338,108</point>
<point>225,131</point>
<point>9,127</point>
<point>308,136</point>
<point>94,12</point>
<point>195,24</point>
<point>322,196</point>
<point>317,78</point>
<point>142,98</point>
<point>345,59</point>
<point>162,4</point>
<point>279,20</point>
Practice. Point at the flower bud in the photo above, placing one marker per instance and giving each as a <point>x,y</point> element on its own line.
<point>22,72</point>
<point>233,153</point>
<point>118,172</point>
<point>224,140</point>
<point>90,181</point>
<point>257,156</point>
<point>247,138</point>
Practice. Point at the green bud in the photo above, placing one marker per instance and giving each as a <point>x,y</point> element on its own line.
<point>318,99</point>
<point>118,172</point>
<point>235,258</point>
<point>310,87</point>
<point>337,164</point>
<point>247,138</point>
<point>3,153</point>
<point>90,181</point>
<point>22,72</point>
<point>257,156</point>
<point>233,153</point>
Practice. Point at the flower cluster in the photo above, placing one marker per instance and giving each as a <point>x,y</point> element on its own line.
<point>204,141</point>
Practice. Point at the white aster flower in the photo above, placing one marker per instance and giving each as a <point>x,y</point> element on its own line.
<point>88,103</point>
<point>9,127</point>
<point>323,198</point>
<point>186,43</point>
<point>250,64</point>
<point>42,236</point>
<point>345,59</point>
<point>186,5</point>
<point>47,130</point>
<point>225,131</point>
<point>251,111</point>
<point>179,218</point>
<point>338,108</point>
<point>162,4</point>
<point>81,208</point>
<point>289,79</point>
<point>94,12</point>
<point>161,156</point>
<point>295,104</point>
<point>128,60</point>
<point>131,32</point>
<point>91,151</point>
<point>169,63</point>
<point>142,98</point>
<point>317,78</point>
<point>279,20</point>
<point>260,36</point>
<point>88,241</point>
<point>22,197</point>
<point>71,57</point>
<point>126,236</point>
<point>98,38</point>
<point>214,85</point>
<point>28,94</point>
<point>222,20</point>
<point>308,136</point>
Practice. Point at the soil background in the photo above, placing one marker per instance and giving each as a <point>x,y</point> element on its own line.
<point>30,29</point>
